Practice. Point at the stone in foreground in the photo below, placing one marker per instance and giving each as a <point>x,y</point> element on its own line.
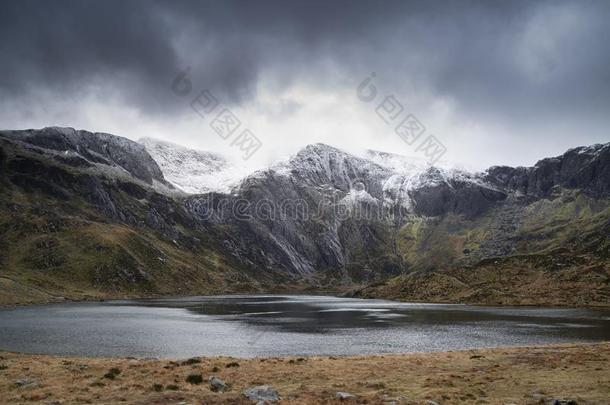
<point>344,395</point>
<point>217,385</point>
<point>262,393</point>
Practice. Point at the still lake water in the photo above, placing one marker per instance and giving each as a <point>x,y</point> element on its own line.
<point>277,325</point>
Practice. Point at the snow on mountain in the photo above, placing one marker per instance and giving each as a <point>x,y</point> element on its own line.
<point>415,168</point>
<point>193,171</point>
<point>412,173</point>
<point>373,178</point>
<point>386,177</point>
<point>403,165</point>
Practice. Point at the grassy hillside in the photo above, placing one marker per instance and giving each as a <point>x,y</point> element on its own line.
<point>58,241</point>
<point>48,250</point>
<point>553,252</point>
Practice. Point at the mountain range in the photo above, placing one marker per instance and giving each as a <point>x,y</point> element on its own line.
<point>92,215</point>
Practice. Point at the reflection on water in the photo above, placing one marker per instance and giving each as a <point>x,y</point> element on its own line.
<point>275,325</point>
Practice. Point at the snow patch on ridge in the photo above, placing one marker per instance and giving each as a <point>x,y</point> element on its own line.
<point>193,171</point>
<point>196,172</point>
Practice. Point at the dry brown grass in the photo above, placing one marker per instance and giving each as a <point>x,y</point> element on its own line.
<point>529,375</point>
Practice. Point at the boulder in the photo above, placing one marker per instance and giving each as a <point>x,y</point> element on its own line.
<point>262,393</point>
<point>217,385</point>
<point>344,395</point>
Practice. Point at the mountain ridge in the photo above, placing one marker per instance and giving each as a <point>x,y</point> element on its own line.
<point>323,220</point>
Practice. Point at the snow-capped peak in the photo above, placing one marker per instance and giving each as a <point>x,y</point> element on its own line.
<point>193,171</point>
<point>387,177</point>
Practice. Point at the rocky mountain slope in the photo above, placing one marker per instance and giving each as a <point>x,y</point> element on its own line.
<point>96,218</point>
<point>84,149</point>
<point>89,214</point>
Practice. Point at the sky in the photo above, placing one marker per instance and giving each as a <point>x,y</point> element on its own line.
<point>493,82</point>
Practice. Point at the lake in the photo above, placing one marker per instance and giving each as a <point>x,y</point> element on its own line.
<point>278,325</point>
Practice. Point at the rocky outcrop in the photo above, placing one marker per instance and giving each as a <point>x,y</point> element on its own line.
<point>585,168</point>
<point>262,394</point>
<point>79,147</point>
<point>439,195</point>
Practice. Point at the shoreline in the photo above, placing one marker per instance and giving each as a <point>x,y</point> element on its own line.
<point>306,356</point>
<point>338,293</point>
<point>520,375</point>
<point>57,299</point>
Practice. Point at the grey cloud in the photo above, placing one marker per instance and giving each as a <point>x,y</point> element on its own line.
<point>508,61</point>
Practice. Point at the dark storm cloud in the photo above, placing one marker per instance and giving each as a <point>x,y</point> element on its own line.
<point>63,45</point>
<point>507,60</point>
